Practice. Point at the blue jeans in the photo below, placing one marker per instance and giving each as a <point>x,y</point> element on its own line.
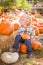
<point>19,40</point>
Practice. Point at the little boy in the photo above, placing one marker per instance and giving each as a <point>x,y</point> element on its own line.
<point>24,28</point>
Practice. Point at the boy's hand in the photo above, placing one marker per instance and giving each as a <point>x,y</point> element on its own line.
<point>25,36</point>
<point>28,37</point>
<point>11,49</point>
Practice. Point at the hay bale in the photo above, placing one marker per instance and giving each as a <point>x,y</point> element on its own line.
<point>6,42</point>
<point>0,51</point>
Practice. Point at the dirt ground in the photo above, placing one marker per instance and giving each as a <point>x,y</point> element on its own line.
<point>34,61</point>
<point>37,59</point>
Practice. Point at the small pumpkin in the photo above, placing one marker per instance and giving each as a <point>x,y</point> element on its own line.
<point>23,48</point>
<point>34,19</point>
<point>41,23</point>
<point>37,15</point>
<point>41,29</point>
<point>16,26</point>
<point>24,36</point>
<point>37,32</point>
<point>36,45</point>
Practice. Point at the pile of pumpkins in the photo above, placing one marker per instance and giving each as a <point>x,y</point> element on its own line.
<point>8,24</point>
<point>37,23</point>
<point>36,45</point>
<point>38,27</point>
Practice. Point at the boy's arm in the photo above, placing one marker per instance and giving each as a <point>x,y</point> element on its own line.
<point>32,34</point>
<point>20,30</point>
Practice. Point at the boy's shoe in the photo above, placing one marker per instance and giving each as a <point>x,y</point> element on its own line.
<point>13,50</point>
<point>29,55</point>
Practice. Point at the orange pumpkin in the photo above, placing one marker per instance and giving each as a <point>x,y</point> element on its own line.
<point>41,23</point>
<point>24,36</point>
<point>34,19</point>
<point>16,26</point>
<point>3,26</point>
<point>37,32</point>
<point>36,45</point>
<point>7,31</point>
<point>41,29</point>
<point>23,48</point>
<point>37,15</point>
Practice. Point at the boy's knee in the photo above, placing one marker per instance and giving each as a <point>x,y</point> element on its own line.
<point>28,41</point>
<point>18,37</point>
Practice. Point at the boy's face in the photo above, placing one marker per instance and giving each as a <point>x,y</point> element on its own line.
<point>25,24</point>
<point>25,21</point>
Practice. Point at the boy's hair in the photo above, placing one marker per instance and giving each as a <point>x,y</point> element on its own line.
<point>28,21</point>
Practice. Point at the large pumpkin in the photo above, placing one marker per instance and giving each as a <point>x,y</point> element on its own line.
<point>16,26</point>
<point>23,48</point>
<point>7,31</point>
<point>36,45</point>
<point>9,57</point>
<point>3,26</point>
